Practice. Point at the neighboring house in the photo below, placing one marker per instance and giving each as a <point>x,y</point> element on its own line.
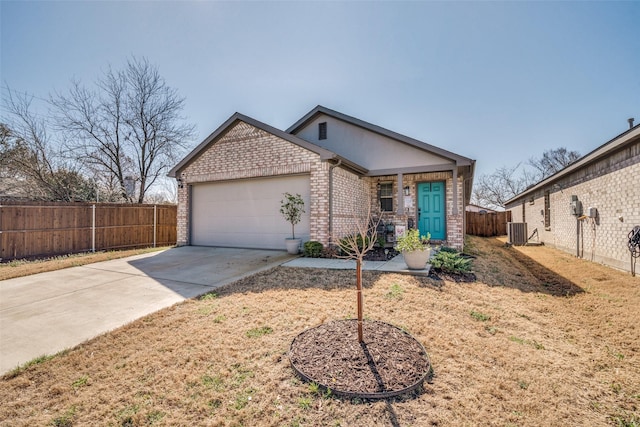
<point>479,209</point>
<point>589,207</point>
<point>230,186</point>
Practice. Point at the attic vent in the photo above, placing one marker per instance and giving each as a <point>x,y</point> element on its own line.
<point>322,130</point>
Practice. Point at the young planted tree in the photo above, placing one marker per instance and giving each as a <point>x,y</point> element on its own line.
<point>292,208</point>
<point>355,246</point>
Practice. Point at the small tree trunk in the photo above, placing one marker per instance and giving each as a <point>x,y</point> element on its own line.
<point>359,296</point>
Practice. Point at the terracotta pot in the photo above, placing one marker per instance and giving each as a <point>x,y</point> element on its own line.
<point>417,260</point>
<point>293,245</point>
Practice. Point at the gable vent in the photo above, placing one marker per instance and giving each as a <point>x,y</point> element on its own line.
<point>322,130</point>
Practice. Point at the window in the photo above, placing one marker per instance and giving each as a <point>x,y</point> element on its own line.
<point>322,130</point>
<point>547,211</point>
<point>386,197</point>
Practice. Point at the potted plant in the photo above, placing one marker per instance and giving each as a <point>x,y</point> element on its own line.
<point>292,208</point>
<point>415,249</point>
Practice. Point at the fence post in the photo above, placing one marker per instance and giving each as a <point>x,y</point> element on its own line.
<point>155,224</point>
<point>93,228</point>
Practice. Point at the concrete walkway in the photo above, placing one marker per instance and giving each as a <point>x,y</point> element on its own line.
<point>394,265</point>
<point>48,312</point>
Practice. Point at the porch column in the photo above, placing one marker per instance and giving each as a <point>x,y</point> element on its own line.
<point>455,189</point>
<point>400,203</point>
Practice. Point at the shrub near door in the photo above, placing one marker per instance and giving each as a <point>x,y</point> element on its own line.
<point>415,249</point>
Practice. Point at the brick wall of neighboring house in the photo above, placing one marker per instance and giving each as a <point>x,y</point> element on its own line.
<point>455,231</point>
<point>248,152</point>
<point>612,186</point>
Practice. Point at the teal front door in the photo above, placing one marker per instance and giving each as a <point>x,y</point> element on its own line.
<point>431,212</point>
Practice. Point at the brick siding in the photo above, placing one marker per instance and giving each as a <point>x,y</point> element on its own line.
<point>455,232</point>
<point>612,186</point>
<point>351,195</point>
<point>245,151</point>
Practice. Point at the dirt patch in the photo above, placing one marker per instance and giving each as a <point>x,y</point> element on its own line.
<point>507,349</point>
<point>388,361</point>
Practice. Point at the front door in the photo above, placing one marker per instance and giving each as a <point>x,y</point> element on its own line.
<point>431,210</point>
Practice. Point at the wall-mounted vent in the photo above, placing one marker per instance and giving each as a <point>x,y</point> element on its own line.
<point>517,233</point>
<point>322,130</point>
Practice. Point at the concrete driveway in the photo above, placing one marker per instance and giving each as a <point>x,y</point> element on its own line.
<point>48,312</point>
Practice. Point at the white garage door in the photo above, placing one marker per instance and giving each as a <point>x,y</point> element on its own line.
<point>246,213</point>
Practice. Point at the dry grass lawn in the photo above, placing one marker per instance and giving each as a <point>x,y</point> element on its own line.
<point>20,267</point>
<point>541,339</point>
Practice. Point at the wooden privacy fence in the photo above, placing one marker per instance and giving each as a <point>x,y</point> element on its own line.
<point>487,224</point>
<point>35,229</point>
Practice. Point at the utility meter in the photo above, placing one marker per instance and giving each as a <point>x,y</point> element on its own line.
<point>575,206</point>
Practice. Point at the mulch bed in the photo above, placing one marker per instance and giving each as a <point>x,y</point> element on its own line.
<point>388,363</point>
<point>380,254</point>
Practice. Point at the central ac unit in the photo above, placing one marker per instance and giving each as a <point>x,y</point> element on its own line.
<point>517,233</point>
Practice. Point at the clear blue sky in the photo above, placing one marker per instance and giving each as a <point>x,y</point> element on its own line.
<point>498,82</point>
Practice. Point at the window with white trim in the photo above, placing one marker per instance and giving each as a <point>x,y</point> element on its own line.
<point>386,196</point>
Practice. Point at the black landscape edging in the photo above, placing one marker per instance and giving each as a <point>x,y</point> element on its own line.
<point>368,396</point>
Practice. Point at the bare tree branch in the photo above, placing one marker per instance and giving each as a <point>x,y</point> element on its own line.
<point>494,190</point>
<point>553,161</point>
<point>130,128</point>
<point>32,166</point>
<point>355,245</point>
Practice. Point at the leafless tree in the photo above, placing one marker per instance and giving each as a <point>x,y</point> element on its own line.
<point>128,128</point>
<point>494,190</point>
<point>553,161</point>
<point>165,193</point>
<point>31,165</point>
<point>354,246</point>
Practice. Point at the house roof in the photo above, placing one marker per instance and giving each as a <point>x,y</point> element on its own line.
<point>311,115</point>
<point>471,205</point>
<point>231,121</point>
<point>629,136</point>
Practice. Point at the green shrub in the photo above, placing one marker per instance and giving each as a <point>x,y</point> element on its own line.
<point>449,249</point>
<point>451,262</point>
<point>411,240</point>
<point>344,243</point>
<point>313,249</point>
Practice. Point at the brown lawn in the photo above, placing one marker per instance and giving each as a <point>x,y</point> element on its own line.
<point>21,267</point>
<point>541,339</point>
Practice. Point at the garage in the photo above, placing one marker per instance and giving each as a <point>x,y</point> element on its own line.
<point>246,213</point>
